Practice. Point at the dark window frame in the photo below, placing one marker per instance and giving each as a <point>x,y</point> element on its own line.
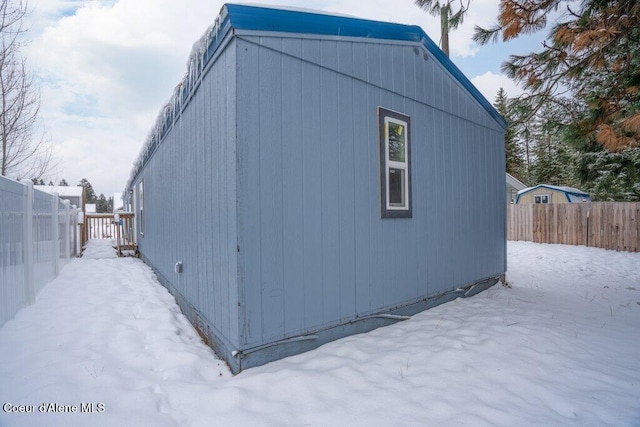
<point>544,199</point>
<point>387,211</point>
<point>141,207</point>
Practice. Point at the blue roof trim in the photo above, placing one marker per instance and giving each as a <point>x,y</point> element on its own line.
<point>258,18</point>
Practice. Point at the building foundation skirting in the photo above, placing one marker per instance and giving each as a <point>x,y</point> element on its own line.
<point>240,359</point>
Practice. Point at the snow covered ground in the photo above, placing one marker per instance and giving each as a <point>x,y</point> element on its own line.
<point>561,347</point>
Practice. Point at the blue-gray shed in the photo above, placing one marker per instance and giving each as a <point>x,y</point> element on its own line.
<point>316,176</point>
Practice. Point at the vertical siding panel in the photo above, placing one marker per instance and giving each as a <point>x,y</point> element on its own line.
<point>501,236</point>
<point>330,184</point>
<point>430,72</point>
<point>376,224</point>
<point>486,191</point>
<point>217,191</point>
<point>329,54</point>
<point>249,232</point>
<point>470,217</point>
<point>202,195</point>
<point>374,64</point>
<point>400,235</point>
<point>430,184</point>
<point>224,186</point>
<point>346,172</point>
<point>497,206</point>
<point>359,62</point>
<point>410,82</point>
<point>455,193</point>
<point>417,272</point>
<point>214,295</point>
<point>420,76</point>
<point>271,200</point>
<point>293,191</point>
<point>231,197</point>
<point>312,184</point>
<point>474,196</point>
<point>468,234</point>
<point>445,199</point>
<point>438,87</point>
<point>364,208</point>
<point>395,71</point>
<point>440,235</point>
<point>191,187</point>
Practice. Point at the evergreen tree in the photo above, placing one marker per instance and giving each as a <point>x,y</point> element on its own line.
<point>90,195</point>
<point>63,183</point>
<point>593,56</point>
<point>593,52</point>
<point>101,204</point>
<point>553,158</point>
<point>607,176</point>
<point>513,151</point>
<point>523,130</point>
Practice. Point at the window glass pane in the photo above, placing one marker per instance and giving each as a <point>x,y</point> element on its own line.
<point>396,187</point>
<point>396,142</point>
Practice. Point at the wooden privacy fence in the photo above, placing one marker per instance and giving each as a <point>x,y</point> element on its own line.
<point>108,226</point>
<point>608,225</point>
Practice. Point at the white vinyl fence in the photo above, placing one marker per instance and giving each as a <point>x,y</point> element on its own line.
<point>38,235</point>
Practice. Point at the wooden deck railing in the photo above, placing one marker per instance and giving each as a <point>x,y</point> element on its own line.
<point>608,225</point>
<point>118,227</point>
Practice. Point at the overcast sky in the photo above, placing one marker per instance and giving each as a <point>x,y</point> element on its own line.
<point>106,67</point>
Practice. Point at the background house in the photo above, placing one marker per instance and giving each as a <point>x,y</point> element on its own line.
<point>324,167</point>
<point>545,193</point>
<point>513,186</point>
<point>74,194</point>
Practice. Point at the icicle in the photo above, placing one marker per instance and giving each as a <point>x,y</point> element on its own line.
<point>172,110</point>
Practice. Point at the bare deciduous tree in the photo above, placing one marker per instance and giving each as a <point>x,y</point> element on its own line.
<point>25,152</point>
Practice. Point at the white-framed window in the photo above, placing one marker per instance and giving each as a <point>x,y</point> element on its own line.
<point>141,204</point>
<point>395,163</point>
<point>541,198</point>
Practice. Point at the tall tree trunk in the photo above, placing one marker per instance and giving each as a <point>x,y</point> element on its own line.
<point>444,28</point>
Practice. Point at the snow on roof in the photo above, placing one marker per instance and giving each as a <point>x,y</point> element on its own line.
<point>570,190</point>
<point>515,183</point>
<point>61,191</point>
<point>286,20</point>
<point>298,9</point>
